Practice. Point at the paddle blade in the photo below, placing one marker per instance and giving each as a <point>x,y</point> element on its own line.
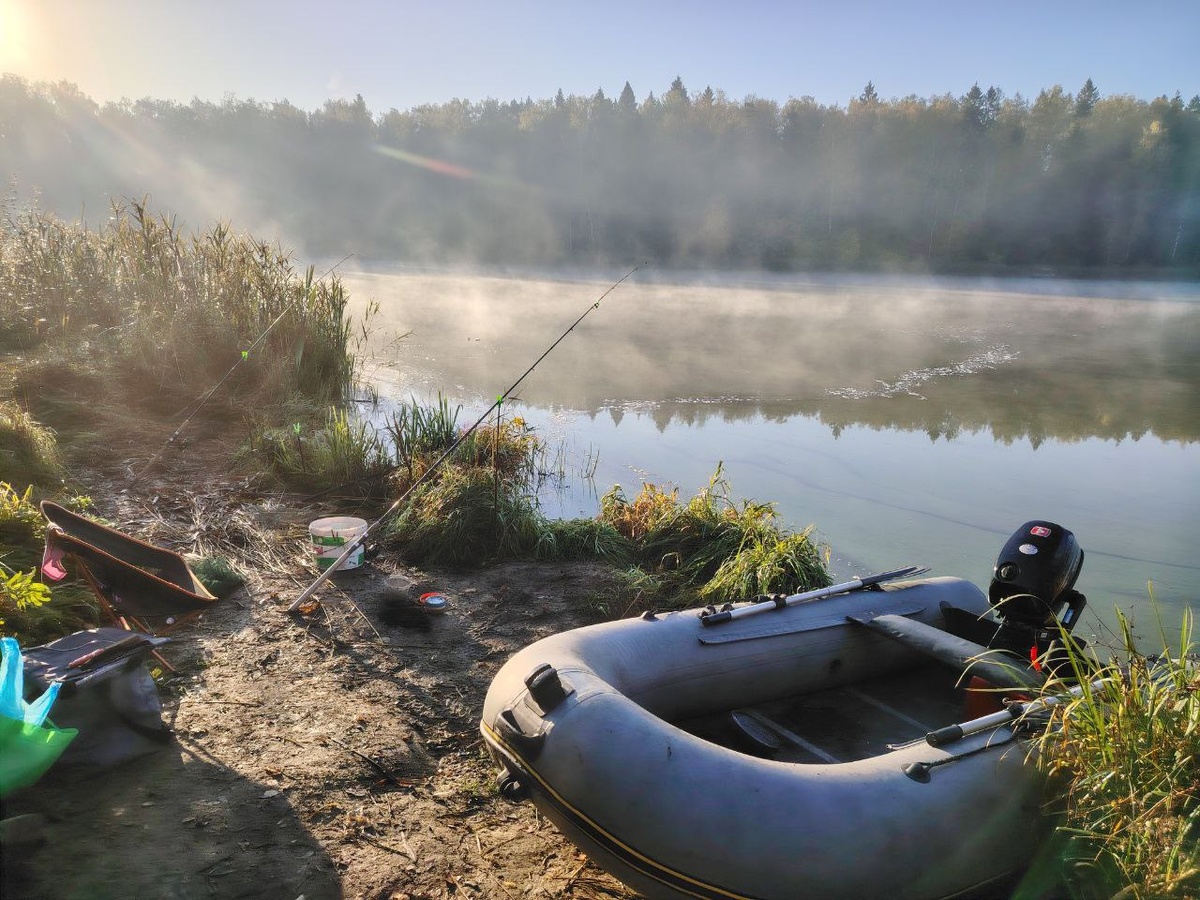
<point>906,572</point>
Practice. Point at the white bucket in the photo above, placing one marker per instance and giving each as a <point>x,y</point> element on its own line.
<point>330,537</point>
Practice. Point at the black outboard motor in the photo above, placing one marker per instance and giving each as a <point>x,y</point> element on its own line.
<point>1032,583</point>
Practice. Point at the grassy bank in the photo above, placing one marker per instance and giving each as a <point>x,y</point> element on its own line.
<point>138,334</point>
<point>1123,759</point>
<point>109,330</point>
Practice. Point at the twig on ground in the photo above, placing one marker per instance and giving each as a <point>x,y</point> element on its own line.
<point>378,766</point>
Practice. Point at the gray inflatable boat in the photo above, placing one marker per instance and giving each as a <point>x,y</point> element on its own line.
<point>776,756</point>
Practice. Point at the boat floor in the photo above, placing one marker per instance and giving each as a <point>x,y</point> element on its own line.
<point>840,724</point>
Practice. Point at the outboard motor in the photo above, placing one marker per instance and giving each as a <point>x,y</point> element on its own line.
<point>1032,583</point>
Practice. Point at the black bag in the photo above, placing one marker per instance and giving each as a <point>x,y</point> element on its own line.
<point>107,693</point>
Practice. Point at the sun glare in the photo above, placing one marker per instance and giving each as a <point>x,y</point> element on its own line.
<point>12,37</point>
<point>7,32</point>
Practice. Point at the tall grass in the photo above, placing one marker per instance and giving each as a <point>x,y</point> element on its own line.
<point>172,313</point>
<point>417,432</point>
<point>1124,761</point>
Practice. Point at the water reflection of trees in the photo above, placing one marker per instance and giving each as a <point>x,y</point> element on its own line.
<point>916,355</point>
<point>1037,408</point>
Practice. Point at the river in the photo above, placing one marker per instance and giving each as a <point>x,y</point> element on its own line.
<point>911,420</point>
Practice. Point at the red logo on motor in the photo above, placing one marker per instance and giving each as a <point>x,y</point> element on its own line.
<point>1040,531</point>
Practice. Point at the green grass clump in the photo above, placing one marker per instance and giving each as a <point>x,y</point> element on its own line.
<point>467,517</point>
<point>1124,760</point>
<point>343,454</point>
<point>28,450</point>
<point>710,549</point>
<point>583,539</point>
<point>220,576</point>
<point>29,609</point>
<point>481,506</point>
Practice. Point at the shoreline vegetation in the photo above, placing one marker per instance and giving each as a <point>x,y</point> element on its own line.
<point>104,329</point>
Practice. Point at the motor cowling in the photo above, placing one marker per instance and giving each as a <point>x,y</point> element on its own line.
<point>1035,575</point>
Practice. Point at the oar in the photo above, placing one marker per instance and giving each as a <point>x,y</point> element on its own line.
<point>1013,711</point>
<point>857,584</point>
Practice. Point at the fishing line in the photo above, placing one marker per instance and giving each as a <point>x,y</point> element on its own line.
<point>428,473</point>
<point>245,355</point>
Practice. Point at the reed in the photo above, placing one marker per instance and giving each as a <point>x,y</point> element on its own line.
<point>417,431</point>
<point>1124,763</point>
<point>169,314</point>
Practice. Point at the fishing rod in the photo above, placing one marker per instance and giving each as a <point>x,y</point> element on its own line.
<point>245,355</point>
<point>428,473</point>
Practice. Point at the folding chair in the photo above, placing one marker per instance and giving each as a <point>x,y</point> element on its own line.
<point>140,587</point>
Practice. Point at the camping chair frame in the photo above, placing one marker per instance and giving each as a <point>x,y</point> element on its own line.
<point>140,586</point>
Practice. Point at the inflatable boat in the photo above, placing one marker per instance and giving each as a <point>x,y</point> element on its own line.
<point>810,751</point>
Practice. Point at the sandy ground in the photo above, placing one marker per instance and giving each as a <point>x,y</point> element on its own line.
<point>323,756</point>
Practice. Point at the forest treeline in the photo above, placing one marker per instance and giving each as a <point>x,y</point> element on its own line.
<point>1063,182</point>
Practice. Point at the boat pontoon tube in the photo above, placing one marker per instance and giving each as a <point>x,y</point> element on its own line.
<point>581,723</point>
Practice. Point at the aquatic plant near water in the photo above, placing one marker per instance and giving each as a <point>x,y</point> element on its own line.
<point>1124,757</point>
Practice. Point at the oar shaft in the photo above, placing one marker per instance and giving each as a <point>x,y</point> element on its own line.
<point>816,594</point>
<point>740,612</point>
<point>728,615</point>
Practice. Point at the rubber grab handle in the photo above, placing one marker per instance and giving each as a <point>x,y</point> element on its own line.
<point>947,735</point>
<point>509,728</point>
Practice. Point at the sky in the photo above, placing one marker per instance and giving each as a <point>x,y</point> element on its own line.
<point>400,54</point>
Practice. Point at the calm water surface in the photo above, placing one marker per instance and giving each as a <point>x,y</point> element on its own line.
<point>910,420</point>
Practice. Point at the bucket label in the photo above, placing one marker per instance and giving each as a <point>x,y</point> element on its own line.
<point>330,536</point>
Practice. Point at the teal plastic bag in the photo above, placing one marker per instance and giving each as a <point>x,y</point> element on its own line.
<point>27,747</point>
<point>12,688</point>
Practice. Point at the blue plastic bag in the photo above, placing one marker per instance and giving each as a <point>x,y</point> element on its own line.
<point>12,688</point>
<point>27,748</point>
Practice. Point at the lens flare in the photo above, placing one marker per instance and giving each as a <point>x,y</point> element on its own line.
<point>453,170</point>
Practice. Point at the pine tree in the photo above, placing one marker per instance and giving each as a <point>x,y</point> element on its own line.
<point>627,102</point>
<point>1085,101</point>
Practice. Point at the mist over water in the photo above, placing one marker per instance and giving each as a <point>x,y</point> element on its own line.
<point>910,420</point>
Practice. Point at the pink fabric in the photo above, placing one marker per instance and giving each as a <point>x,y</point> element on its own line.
<point>52,559</point>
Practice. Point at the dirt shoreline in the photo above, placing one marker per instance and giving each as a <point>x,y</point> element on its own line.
<point>335,755</point>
